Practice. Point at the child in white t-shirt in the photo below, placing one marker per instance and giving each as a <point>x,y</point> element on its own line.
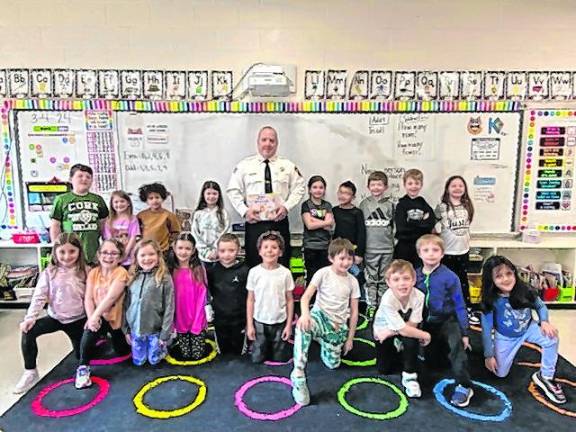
<point>270,305</point>
<point>395,325</point>
<point>332,321</point>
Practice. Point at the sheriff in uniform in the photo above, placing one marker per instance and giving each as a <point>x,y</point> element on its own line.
<point>263,188</point>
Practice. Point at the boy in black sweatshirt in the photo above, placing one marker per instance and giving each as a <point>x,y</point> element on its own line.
<point>227,286</point>
<point>413,218</point>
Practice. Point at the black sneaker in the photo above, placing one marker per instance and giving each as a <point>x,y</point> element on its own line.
<point>473,318</point>
<point>552,390</point>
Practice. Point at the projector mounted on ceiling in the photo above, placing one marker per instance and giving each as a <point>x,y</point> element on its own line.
<point>271,81</point>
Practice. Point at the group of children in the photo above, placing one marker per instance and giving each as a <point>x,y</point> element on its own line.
<point>159,305</point>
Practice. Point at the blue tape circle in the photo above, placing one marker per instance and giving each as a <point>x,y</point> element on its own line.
<point>506,411</point>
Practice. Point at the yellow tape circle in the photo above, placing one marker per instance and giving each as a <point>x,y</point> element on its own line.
<point>143,409</point>
<point>208,358</point>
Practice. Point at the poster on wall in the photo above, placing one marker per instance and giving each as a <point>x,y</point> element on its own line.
<point>63,82</point>
<point>380,84</point>
<point>359,85</point>
<point>41,83</point>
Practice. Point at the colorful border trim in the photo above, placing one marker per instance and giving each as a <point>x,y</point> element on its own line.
<point>40,410</point>
<point>255,415</point>
<point>504,414</point>
<point>146,411</point>
<point>395,413</point>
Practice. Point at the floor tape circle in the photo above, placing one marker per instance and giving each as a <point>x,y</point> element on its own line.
<point>255,415</point>
<point>40,410</point>
<point>397,412</point>
<point>145,410</point>
<point>503,415</point>
<point>211,356</point>
<point>361,363</point>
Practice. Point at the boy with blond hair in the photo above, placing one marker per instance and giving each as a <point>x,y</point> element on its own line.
<point>396,325</point>
<point>447,319</point>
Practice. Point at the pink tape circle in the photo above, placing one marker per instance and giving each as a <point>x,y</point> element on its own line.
<point>243,408</point>
<point>111,360</point>
<point>277,363</point>
<point>40,410</point>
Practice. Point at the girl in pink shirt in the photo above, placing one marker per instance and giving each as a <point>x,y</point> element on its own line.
<point>62,287</point>
<point>122,224</point>
<point>190,297</point>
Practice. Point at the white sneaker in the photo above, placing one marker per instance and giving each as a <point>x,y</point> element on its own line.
<point>411,385</point>
<point>83,377</point>
<point>28,380</point>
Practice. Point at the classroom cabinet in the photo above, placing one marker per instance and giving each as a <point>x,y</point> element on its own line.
<point>548,250</point>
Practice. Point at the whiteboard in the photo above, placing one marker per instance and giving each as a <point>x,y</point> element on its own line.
<point>185,149</point>
<point>548,200</point>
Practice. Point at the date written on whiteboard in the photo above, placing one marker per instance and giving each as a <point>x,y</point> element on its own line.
<point>377,124</point>
<point>147,161</point>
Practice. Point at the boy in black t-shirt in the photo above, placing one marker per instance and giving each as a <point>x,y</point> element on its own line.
<point>227,286</point>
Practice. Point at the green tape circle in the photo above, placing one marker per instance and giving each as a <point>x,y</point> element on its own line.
<point>400,410</point>
<point>364,323</point>
<point>362,363</point>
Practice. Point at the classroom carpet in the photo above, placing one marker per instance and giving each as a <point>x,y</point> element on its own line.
<point>232,394</point>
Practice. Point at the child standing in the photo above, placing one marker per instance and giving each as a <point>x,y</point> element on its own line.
<point>349,221</point>
<point>190,297</point>
<point>447,321</point>
<point>149,305</point>
<point>413,217</point>
<point>62,286</point>
<point>507,308</point>
<point>378,212</point>
<point>318,223</point>
<point>270,305</point>
<point>227,284</point>
<point>158,223</point>
<point>336,305</point>
<point>455,214</point>
<point>104,300</point>
<point>79,211</point>
<point>122,224</point>
<point>209,222</point>
<point>396,324</point>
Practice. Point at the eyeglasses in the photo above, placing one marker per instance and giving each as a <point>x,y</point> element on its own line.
<point>110,254</point>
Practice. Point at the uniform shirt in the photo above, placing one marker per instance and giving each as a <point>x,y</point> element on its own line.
<point>248,179</point>
<point>81,214</point>
<point>334,294</point>
<point>454,229</point>
<point>270,287</point>
<point>393,315</point>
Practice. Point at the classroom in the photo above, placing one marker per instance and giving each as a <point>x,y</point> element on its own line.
<point>287,215</point>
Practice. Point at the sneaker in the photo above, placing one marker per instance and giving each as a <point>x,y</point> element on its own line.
<point>473,318</point>
<point>461,396</point>
<point>552,390</point>
<point>28,380</point>
<point>411,385</point>
<point>300,391</point>
<point>83,377</point>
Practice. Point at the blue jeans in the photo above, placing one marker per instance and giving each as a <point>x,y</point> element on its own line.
<point>147,348</point>
<point>505,349</point>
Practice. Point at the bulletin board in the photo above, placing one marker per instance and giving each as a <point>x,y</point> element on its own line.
<point>548,194</point>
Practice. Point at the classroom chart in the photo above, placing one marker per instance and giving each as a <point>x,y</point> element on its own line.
<point>548,202</point>
<point>183,150</point>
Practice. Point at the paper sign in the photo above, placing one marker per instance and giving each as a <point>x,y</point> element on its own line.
<point>359,86</point>
<point>427,85</point>
<point>516,85</point>
<point>314,85</point>
<point>471,84</point>
<point>485,149</point>
<point>336,84</point>
<point>198,85</point>
<point>449,85</point>
<point>175,85</point>
<point>494,83</point>
<point>63,82</point>
<point>538,85</point>
<point>131,84</point>
<point>380,84</point>
<point>86,84</point>
<point>560,85</point>
<point>41,83</point>
<point>404,85</point>
<point>19,81</point>
<point>153,83</point>
<point>108,84</point>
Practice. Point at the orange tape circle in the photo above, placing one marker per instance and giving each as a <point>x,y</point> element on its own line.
<point>533,390</point>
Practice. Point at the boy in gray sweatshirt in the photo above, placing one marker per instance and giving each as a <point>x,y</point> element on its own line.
<point>378,211</point>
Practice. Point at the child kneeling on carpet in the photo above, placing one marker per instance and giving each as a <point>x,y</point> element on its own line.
<point>395,325</point>
<point>270,305</point>
<point>62,286</point>
<point>507,304</point>
<point>190,295</point>
<point>336,303</point>
<point>447,318</point>
<point>103,302</point>
<point>149,305</point>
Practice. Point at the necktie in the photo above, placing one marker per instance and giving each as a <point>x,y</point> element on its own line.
<point>267,177</point>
